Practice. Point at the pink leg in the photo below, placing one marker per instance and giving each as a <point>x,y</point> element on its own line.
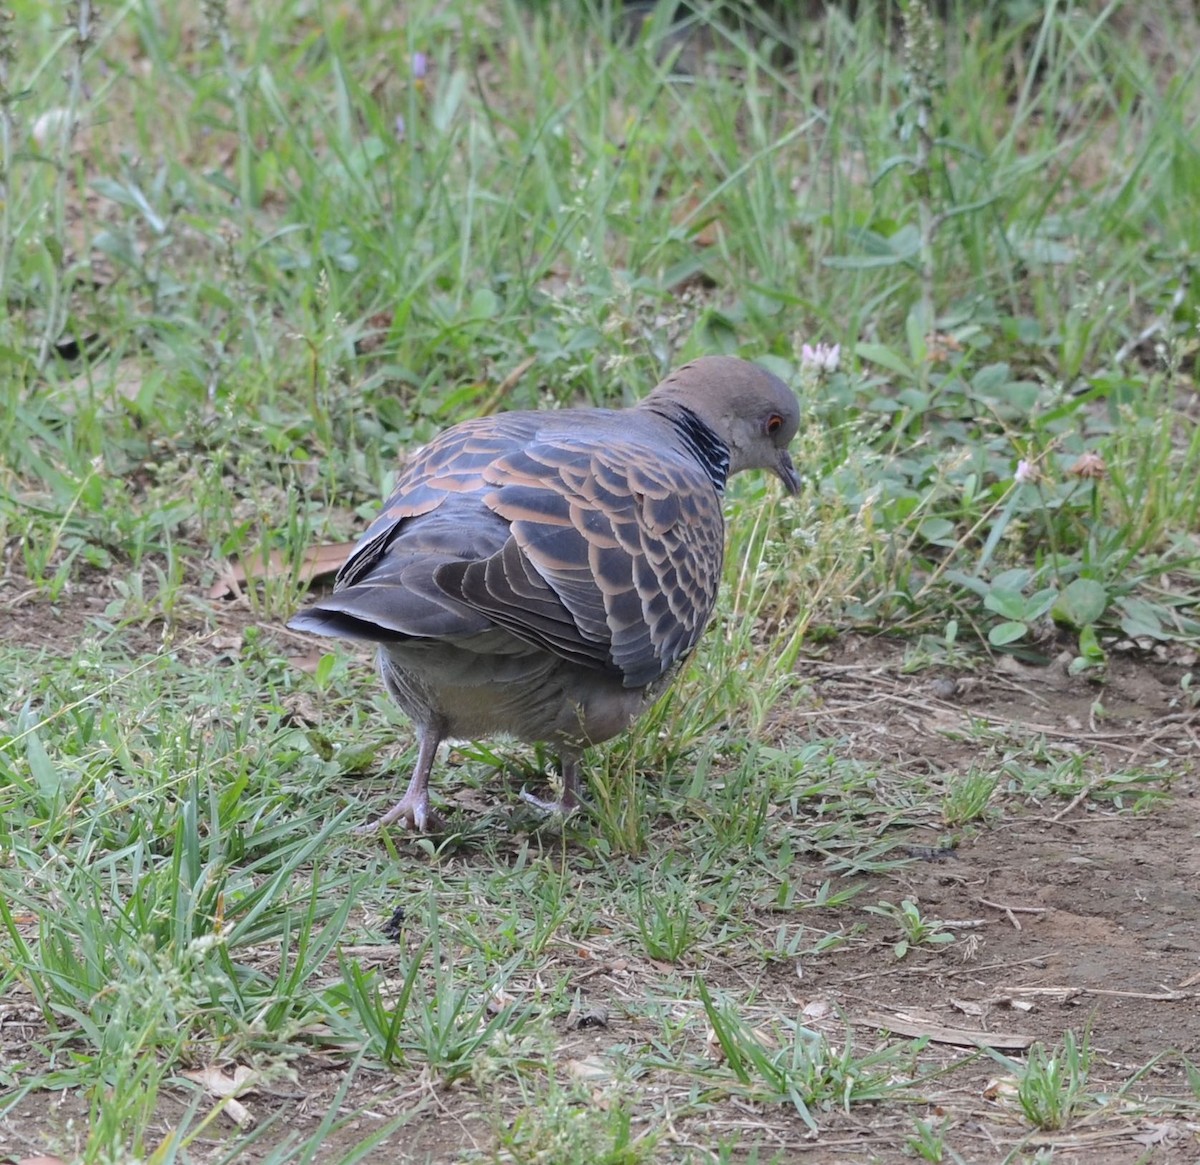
<point>570,799</point>
<point>412,810</point>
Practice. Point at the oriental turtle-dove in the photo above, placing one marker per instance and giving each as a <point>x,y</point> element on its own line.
<point>542,574</point>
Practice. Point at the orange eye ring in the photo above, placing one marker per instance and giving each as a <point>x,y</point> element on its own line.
<point>774,423</point>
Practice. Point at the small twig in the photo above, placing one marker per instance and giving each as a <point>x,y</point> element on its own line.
<point>975,970</point>
<point>1078,799</point>
<point>1166,996</point>
<point>1156,325</point>
<point>1014,909</point>
<point>1101,1138</point>
<point>492,402</point>
<point>896,969</point>
<point>1011,912</point>
<point>906,1024</point>
<point>1166,724</point>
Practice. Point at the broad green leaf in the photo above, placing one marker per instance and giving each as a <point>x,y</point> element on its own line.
<point>906,242</point>
<point>1012,580</point>
<point>449,98</point>
<point>1022,394</point>
<point>884,356</point>
<point>46,775</point>
<point>1081,603</point>
<point>884,404</point>
<point>1141,619</point>
<point>1089,645</point>
<point>917,326</point>
<point>939,531</point>
<point>1039,603</point>
<point>324,669</point>
<point>914,399</point>
<point>1010,604</point>
<point>969,582</point>
<point>1039,248</point>
<point>485,304</point>
<point>991,379</point>
<point>1004,633</point>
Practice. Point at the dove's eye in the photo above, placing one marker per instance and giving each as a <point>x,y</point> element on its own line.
<point>774,423</point>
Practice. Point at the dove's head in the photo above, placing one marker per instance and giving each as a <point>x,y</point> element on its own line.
<point>750,409</point>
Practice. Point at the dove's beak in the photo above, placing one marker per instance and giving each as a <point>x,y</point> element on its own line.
<point>787,472</point>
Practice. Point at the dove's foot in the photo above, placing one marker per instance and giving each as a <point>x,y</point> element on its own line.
<point>570,800</point>
<point>412,811</point>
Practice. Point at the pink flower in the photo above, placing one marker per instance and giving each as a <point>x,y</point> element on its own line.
<point>821,357</point>
<point>1026,473</point>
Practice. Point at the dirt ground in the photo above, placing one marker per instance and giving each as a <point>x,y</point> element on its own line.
<point>1074,913</point>
<point>1087,918</point>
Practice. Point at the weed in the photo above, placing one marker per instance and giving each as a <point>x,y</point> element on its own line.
<point>967,798</point>
<point>1052,1087</point>
<point>915,930</point>
<point>927,1141</point>
<point>806,1072</point>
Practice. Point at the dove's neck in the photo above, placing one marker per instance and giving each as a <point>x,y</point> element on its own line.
<point>699,440</point>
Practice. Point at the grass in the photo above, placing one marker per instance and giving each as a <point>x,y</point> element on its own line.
<point>252,253</point>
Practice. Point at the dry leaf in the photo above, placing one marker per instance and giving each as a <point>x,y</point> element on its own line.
<point>1001,1088</point>
<point>967,1007</point>
<point>699,219</point>
<point>308,663</point>
<point>318,562</point>
<point>1015,1004</point>
<point>221,1084</point>
<point>499,1002</point>
<point>940,346</point>
<point>1157,1134</point>
<point>238,1113</point>
<point>817,1009</point>
<point>124,379</point>
<point>375,332</point>
<point>589,1068</point>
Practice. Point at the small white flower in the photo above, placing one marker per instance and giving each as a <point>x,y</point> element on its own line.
<point>1026,473</point>
<point>822,357</point>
